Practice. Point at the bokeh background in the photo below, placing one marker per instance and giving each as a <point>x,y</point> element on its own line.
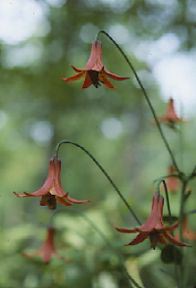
<point>39,39</point>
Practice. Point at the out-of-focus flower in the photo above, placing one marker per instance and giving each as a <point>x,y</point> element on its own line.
<point>172,182</point>
<point>187,233</point>
<point>94,72</point>
<point>170,117</point>
<point>51,191</point>
<point>154,227</point>
<point>47,250</point>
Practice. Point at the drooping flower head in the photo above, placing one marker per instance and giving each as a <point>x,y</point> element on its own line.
<point>51,191</point>
<point>170,117</point>
<point>154,228</point>
<point>47,250</point>
<point>94,72</point>
<point>172,182</point>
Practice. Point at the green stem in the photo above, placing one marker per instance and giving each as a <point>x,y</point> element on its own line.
<point>112,248</point>
<point>102,235</point>
<point>147,99</point>
<point>181,216</point>
<point>167,200</point>
<point>182,204</point>
<point>103,171</point>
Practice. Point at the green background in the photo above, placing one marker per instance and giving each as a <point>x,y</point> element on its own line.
<point>37,110</point>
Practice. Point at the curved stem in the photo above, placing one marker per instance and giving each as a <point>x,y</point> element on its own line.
<point>146,97</point>
<point>103,171</point>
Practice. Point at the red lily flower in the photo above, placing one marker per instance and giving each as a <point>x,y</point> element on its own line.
<point>47,250</point>
<point>170,116</point>
<point>52,191</point>
<point>172,182</point>
<point>94,72</point>
<point>154,227</point>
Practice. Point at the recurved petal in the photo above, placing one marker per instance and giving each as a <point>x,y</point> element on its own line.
<point>173,240</point>
<point>139,238</point>
<point>74,77</point>
<point>115,76</point>
<point>172,227</point>
<point>37,193</point>
<point>77,69</point>
<point>126,230</point>
<point>75,201</point>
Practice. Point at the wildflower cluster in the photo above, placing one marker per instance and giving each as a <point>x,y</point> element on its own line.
<point>51,192</point>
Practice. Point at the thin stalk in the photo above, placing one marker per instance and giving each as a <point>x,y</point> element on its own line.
<point>167,201</point>
<point>103,171</point>
<point>181,216</point>
<point>181,139</point>
<point>181,211</point>
<point>130,279</point>
<point>102,235</point>
<point>146,97</point>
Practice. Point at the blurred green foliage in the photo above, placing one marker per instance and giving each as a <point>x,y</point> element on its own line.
<point>38,109</point>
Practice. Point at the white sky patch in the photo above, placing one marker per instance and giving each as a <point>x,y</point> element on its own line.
<point>20,19</point>
<point>152,51</point>
<point>175,71</point>
<point>119,32</point>
<point>177,77</point>
<point>22,56</point>
<point>111,128</point>
<point>88,32</point>
<point>41,132</point>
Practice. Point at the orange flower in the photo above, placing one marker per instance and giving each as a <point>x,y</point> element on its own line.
<point>172,182</point>
<point>47,250</point>
<point>51,191</point>
<point>170,117</point>
<point>154,227</point>
<point>94,73</point>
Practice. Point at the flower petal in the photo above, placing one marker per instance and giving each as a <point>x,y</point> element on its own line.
<point>74,77</point>
<point>126,230</point>
<point>77,69</point>
<point>173,240</point>
<point>139,238</point>
<point>115,76</point>
<point>105,81</point>
<point>87,81</point>
<point>62,200</point>
<point>75,201</point>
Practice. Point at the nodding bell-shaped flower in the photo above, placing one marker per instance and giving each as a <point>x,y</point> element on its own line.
<point>47,250</point>
<point>154,228</point>
<point>172,181</point>
<point>51,191</point>
<point>170,117</point>
<point>94,72</point>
